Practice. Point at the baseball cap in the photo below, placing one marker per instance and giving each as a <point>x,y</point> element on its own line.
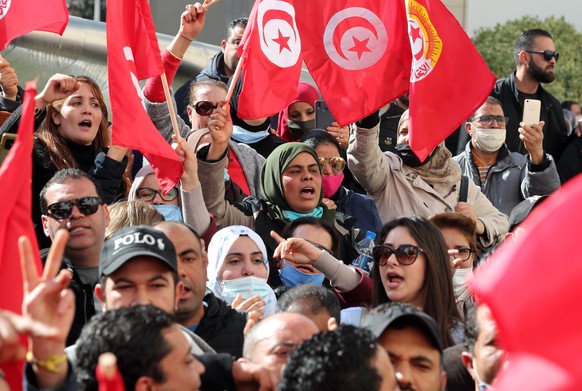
<point>136,241</point>
<point>382,317</point>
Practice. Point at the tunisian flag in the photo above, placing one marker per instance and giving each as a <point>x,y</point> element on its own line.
<point>15,221</point>
<point>132,55</point>
<point>449,79</point>
<point>532,286</point>
<point>18,17</point>
<point>270,51</point>
<point>357,52</point>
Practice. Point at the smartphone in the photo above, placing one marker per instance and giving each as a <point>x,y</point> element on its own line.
<point>531,111</point>
<point>5,144</point>
<point>323,117</point>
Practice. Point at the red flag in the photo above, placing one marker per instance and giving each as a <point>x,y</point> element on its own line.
<point>449,79</point>
<point>133,54</point>
<point>270,51</point>
<point>18,17</point>
<point>15,221</point>
<point>532,286</point>
<point>357,53</point>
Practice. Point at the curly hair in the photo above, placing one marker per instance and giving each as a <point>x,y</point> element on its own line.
<point>338,360</point>
<point>134,335</point>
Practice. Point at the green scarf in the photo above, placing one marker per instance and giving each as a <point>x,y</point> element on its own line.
<point>277,161</point>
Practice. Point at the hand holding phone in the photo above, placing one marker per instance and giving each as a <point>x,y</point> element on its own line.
<point>323,117</point>
<point>531,111</point>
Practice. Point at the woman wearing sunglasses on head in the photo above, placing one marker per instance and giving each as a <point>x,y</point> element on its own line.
<point>411,266</point>
<point>245,164</point>
<point>71,122</point>
<point>333,166</point>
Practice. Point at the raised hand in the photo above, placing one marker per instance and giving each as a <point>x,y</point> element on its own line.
<point>192,21</point>
<point>342,135</point>
<point>8,80</point>
<point>533,138</point>
<point>296,250</point>
<point>57,87</point>
<point>220,126</point>
<point>48,301</point>
<point>189,179</point>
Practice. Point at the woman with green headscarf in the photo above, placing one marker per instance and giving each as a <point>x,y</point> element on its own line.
<point>291,180</point>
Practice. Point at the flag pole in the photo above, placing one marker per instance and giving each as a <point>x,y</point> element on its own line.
<point>170,106</point>
<point>233,82</point>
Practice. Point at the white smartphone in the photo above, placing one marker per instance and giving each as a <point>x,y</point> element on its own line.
<point>531,111</point>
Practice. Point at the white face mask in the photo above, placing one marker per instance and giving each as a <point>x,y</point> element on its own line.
<point>489,140</point>
<point>460,278</point>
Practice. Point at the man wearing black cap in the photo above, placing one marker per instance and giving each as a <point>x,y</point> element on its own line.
<point>138,266</point>
<point>412,340</point>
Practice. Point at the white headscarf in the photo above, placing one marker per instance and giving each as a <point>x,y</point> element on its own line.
<point>219,247</point>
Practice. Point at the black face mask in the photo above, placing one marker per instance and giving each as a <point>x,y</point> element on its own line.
<point>408,157</point>
<point>299,128</point>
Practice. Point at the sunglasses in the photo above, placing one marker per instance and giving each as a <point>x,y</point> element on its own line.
<point>337,164</point>
<point>405,254</point>
<point>204,108</point>
<point>147,194</point>
<point>488,120</point>
<point>63,209</point>
<point>548,54</point>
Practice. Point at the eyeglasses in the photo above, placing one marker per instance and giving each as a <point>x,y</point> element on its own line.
<point>463,253</point>
<point>204,108</point>
<point>548,54</point>
<point>62,210</point>
<point>405,254</point>
<point>337,164</point>
<point>487,120</point>
<point>147,194</point>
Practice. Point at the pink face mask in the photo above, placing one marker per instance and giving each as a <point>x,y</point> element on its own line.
<point>330,184</point>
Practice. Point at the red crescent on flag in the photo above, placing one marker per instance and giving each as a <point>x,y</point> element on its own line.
<point>347,24</point>
<point>277,15</point>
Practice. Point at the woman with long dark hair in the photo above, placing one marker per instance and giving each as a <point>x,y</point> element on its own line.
<point>411,266</point>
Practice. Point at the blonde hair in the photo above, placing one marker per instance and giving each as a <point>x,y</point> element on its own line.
<point>127,213</point>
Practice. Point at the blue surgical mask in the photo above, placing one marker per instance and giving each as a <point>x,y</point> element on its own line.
<point>292,277</point>
<point>170,212</point>
<point>244,136</point>
<point>247,287</point>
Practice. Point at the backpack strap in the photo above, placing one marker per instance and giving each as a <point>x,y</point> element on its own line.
<point>464,190</point>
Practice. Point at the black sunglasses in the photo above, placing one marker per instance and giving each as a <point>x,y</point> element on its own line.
<point>62,210</point>
<point>548,54</point>
<point>147,194</point>
<point>204,108</point>
<point>405,254</point>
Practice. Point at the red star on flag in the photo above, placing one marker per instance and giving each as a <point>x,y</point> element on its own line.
<point>415,34</point>
<point>360,47</point>
<point>282,41</point>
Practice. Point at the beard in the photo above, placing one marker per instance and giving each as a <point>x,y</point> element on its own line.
<point>539,74</point>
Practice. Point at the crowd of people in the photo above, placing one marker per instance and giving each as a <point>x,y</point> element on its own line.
<point>242,276</point>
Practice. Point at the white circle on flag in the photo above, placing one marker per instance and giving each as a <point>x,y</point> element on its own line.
<point>278,34</point>
<point>4,7</point>
<point>359,47</point>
